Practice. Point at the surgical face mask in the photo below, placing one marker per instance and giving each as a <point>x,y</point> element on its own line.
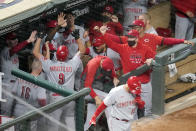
<point>131,43</point>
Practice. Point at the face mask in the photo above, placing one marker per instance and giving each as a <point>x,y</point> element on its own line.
<point>131,43</point>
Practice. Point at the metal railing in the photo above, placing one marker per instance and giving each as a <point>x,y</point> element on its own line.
<point>69,94</point>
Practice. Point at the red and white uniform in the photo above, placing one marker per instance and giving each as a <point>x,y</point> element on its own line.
<point>94,79</point>
<point>62,73</point>
<point>9,61</point>
<point>132,10</point>
<point>123,109</point>
<point>131,58</point>
<point>30,93</point>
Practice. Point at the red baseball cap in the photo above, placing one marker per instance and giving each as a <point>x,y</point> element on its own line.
<point>137,23</point>
<point>109,9</point>
<point>133,33</point>
<point>97,41</point>
<point>108,64</point>
<point>11,36</point>
<point>51,47</point>
<point>52,24</point>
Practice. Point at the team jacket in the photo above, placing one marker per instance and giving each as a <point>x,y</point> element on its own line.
<point>183,6</point>
<point>150,40</point>
<point>131,58</point>
<point>92,75</point>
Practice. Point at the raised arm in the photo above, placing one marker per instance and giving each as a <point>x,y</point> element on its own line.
<point>21,45</point>
<point>111,44</point>
<point>36,49</point>
<point>76,35</point>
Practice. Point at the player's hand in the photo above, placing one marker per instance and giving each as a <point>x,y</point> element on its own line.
<point>93,120</point>
<point>32,37</point>
<point>190,14</point>
<point>103,29</point>
<point>148,61</point>
<point>61,20</point>
<point>114,18</point>
<point>98,101</point>
<point>188,42</point>
<point>41,31</point>
<point>76,34</point>
<point>96,28</point>
<point>115,81</point>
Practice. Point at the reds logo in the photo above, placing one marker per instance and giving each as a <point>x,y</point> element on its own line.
<point>146,40</point>
<point>7,3</point>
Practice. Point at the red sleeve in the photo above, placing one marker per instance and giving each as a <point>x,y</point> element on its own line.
<point>18,47</point>
<point>111,44</point>
<point>89,79</point>
<point>172,41</point>
<point>184,5</point>
<point>118,27</point>
<point>87,51</point>
<point>150,53</point>
<point>118,39</point>
<point>98,111</point>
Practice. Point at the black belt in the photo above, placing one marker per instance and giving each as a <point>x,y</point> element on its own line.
<point>121,119</point>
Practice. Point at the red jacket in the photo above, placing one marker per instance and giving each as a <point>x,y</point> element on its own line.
<point>131,58</point>
<point>183,6</point>
<point>149,40</point>
<point>90,72</point>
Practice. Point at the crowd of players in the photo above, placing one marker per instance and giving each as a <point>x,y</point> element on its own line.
<point>113,49</point>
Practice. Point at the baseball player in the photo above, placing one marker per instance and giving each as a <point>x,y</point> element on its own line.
<point>124,101</point>
<point>61,72</point>
<point>131,9</point>
<point>30,93</point>
<point>99,48</point>
<point>97,72</point>
<point>152,40</point>
<point>134,54</point>
<point>9,61</point>
<point>146,18</point>
<point>185,12</point>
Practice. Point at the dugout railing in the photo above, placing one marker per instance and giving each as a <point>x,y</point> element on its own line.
<point>68,94</point>
<point>162,59</point>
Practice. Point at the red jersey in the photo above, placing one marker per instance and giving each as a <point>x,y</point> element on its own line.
<point>153,41</point>
<point>131,58</point>
<point>90,72</point>
<point>183,6</point>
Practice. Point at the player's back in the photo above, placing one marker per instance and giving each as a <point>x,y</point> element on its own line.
<point>62,73</point>
<point>28,92</point>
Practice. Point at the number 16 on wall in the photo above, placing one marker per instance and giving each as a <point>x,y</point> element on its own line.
<point>1,100</point>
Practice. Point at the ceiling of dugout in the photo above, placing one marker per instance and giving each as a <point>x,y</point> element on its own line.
<point>15,14</point>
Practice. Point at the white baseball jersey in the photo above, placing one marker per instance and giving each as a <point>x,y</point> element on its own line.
<point>8,63</point>
<point>131,10</point>
<point>69,41</point>
<point>110,53</point>
<point>151,31</point>
<point>29,92</point>
<point>62,73</point>
<point>123,103</point>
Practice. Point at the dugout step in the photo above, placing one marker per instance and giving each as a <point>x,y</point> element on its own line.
<point>178,88</point>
